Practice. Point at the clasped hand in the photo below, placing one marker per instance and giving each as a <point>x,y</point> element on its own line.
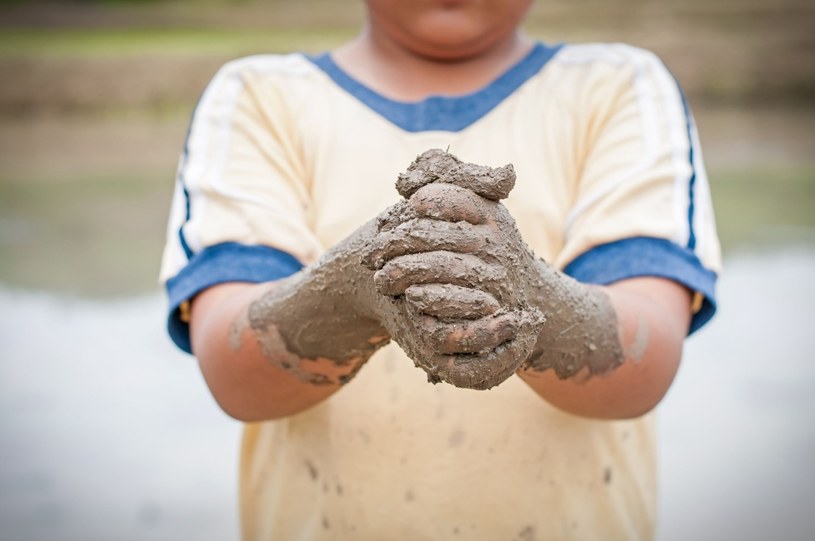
<point>457,273</point>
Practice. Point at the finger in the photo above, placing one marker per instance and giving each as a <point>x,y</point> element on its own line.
<point>479,372</point>
<point>446,301</point>
<point>436,268</point>
<point>478,336</point>
<point>439,166</point>
<point>486,370</point>
<point>399,213</point>
<point>451,203</point>
<point>423,235</point>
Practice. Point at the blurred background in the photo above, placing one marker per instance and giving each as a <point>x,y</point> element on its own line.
<point>107,432</point>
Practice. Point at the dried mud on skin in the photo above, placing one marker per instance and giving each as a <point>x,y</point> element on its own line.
<point>446,275</point>
<point>506,308</point>
<point>443,258</point>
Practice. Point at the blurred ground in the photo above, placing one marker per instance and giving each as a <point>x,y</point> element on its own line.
<point>737,438</point>
<point>108,433</point>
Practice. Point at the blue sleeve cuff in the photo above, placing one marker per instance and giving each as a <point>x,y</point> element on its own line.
<point>647,256</point>
<point>227,262</point>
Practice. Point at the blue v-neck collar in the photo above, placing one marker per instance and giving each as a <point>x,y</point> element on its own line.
<point>442,113</point>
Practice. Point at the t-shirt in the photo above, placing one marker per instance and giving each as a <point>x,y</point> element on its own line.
<point>288,154</point>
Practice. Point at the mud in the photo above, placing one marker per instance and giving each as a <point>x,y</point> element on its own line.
<point>488,256</point>
<point>581,330</point>
<point>325,311</point>
<point>438,267</point>
<point>445,274</point>
<point>424,235</point>
<point>438,166</point>
<point>451,302</point>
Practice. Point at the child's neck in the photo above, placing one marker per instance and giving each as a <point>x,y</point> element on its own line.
<point>401,74</point>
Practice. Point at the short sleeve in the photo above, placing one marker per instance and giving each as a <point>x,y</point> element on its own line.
<point>240,208</point>
<point>642,204</point>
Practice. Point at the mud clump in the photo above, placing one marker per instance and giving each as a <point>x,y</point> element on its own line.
<point>438,166</point>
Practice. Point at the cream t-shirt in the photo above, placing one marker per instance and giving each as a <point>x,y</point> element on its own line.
<point>287,155</point>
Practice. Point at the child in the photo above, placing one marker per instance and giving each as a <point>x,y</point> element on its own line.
<point>291,161</point>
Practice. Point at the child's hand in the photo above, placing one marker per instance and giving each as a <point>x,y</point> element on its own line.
<point>457,268</point>
<point>447,234</point>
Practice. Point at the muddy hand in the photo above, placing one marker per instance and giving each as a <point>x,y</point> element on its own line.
<point>574,311</point>
<point>468,353</point>
<point>445,322</point>
<point>443,256</point>
<point>448,234</point>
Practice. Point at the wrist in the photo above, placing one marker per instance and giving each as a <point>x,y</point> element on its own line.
<point>581,332</point>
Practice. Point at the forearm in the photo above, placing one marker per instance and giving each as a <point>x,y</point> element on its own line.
<point>244,381</point>
<point>650,318</point>
<point>272,350</point>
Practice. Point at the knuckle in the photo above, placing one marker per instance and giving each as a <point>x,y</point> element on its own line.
<point>386,280</point>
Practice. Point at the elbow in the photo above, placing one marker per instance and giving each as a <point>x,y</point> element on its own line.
<point>631,410</point>
<point>246,410</point>
<point>611,409</point>
<point>642,390</point>
<point>257,397</point>
<point>232,405</point>
<point>236,413</point>
<point>606,408</point>
<point>248,403</point>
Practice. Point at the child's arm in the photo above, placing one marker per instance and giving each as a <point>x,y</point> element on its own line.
<point>242,379</point>
<point>653,315</point>
<point>272,350</point>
